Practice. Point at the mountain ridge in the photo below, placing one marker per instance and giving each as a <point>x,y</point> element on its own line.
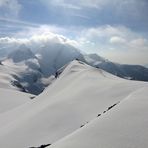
<point>37,67</point>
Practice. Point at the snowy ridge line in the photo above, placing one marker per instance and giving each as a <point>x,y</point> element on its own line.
<point>70,67</point>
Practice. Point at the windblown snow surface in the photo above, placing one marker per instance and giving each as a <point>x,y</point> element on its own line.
<point>84,107</point>
<point>10,99</point>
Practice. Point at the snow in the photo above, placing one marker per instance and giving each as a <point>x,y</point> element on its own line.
<point>125,126</point>
<point>10,99</point>
<point>7,71</point>
<point>25,73</point>
<point>76,97</point>
<point>29,72</point>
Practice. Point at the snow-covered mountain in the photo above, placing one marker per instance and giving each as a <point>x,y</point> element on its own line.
<point>133,72</point>
<point>21,70</point>
<point>52,56</point>
<point>84,107</point>
<point>32,71</point>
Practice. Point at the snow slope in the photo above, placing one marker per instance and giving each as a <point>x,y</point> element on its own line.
<point>125,126</point>
<point>78,95</point>
<point>10,99</point>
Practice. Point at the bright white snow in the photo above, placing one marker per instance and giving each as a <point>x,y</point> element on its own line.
<point>10,99</point>
<point>78,95</point>
<point>125,126</point>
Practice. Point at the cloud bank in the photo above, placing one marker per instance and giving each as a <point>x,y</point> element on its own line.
<point>35,38</point>
<point>117,43</point>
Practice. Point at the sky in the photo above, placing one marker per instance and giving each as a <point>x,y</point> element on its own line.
<point>114,29</point>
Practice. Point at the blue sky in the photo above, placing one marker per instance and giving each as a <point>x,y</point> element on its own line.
<point>115,29</point>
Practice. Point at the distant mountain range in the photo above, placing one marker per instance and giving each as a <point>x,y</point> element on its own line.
<point>133,72</point>
<point>32,71</point>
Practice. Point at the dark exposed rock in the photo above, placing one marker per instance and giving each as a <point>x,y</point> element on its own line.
<point>18,85</point>
<point>42,146</point>
<point>99,115</point>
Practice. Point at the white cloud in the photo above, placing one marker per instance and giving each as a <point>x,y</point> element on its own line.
<point>113,36</point>
<point>116,43</point>
<point>16,22</point>
<point>139,42</point>
<point>36,37</point>
<point>39,30</point>
<point>128,57</point>
<point>78,4</point>
<point>107,31</point>
<point>69,6</point>
<point>123,10</point>
<point>117,40</point>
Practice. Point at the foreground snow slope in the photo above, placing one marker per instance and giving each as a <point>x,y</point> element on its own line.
<point>76,97</point>
<point>125,126</point>
<point>10,99</point>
